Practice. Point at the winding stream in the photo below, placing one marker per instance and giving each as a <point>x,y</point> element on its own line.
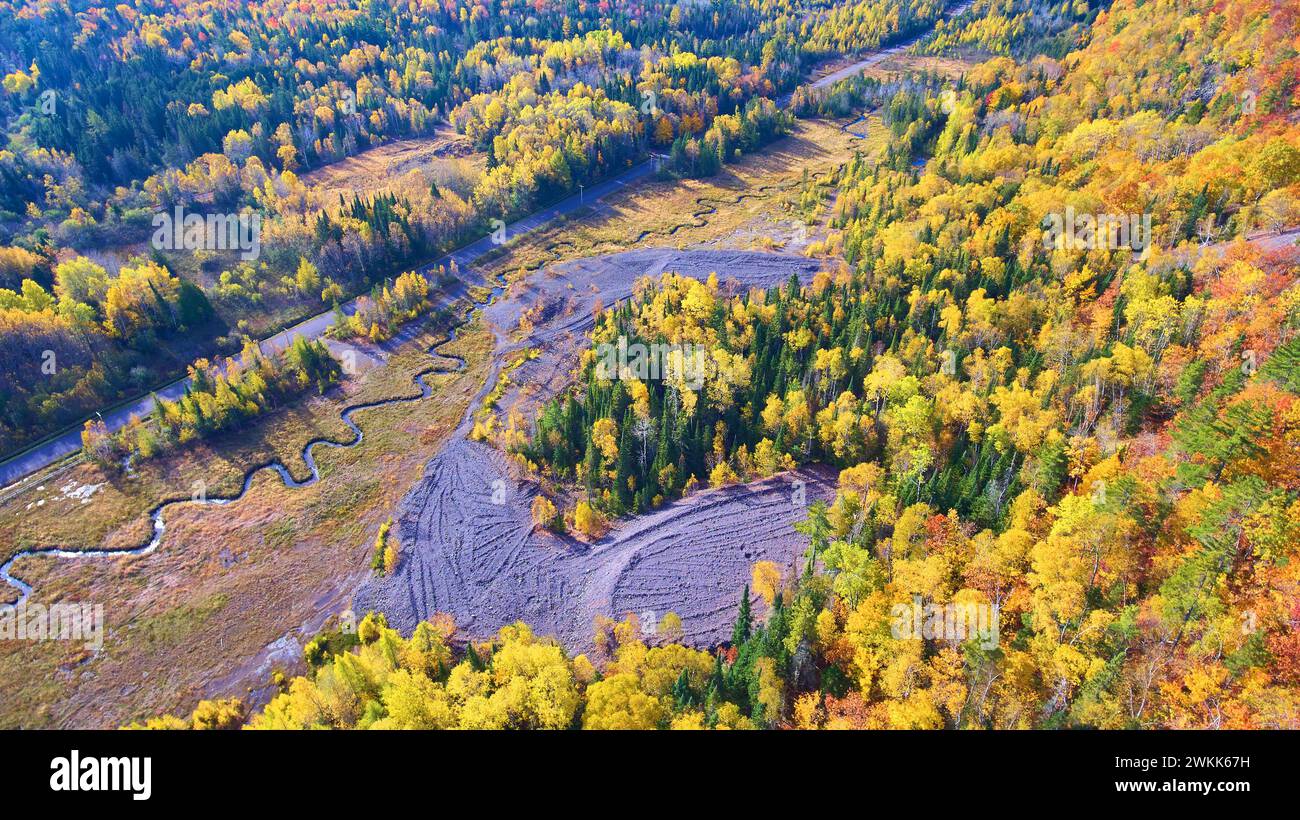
<point>156,514</point>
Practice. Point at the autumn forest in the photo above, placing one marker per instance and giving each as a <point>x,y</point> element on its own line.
<point>1029,359</point>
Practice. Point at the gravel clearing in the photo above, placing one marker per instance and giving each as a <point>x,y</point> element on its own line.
<point>467,540</point>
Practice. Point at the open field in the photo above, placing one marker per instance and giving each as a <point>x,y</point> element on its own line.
<point>232,590</point>
<point>447,158</point>
<point>750,204</point>
<point>904,62</point>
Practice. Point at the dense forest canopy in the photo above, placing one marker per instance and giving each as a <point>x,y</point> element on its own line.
<point>1098,441</point>
<point>1095,435</point>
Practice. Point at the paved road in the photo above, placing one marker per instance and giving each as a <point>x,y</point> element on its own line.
<point>69,442</point>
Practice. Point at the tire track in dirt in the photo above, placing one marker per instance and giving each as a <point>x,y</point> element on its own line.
<point>468,547</point>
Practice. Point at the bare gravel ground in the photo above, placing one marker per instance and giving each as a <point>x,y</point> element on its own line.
<point>468,545</point>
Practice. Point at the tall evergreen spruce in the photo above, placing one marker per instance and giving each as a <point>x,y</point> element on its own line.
<point>741,632</point>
